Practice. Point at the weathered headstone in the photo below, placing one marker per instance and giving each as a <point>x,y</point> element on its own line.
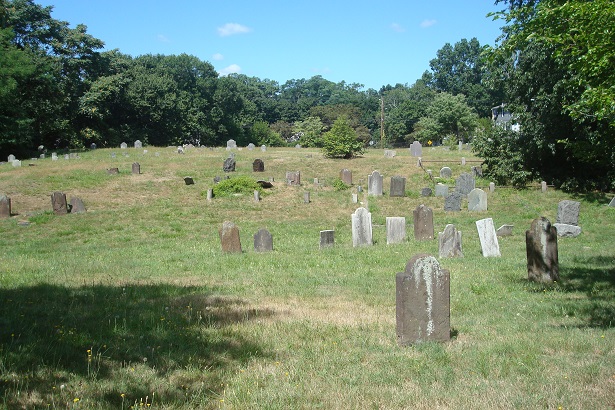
<point>229,165</point>
<point>5,206</point>
<point>251,147</point>
<point>398,186</point>
<point>374,184</point>
<point>11,158</point>
<point>541,248</point>
<point>422,302</point>
<point>66,156</point>
<point>258,165</point>
<point>257,195</point>
<point>346,176</point>
<point>446,172</point>
<point>123,145</point>
<point>568,212</point>
<point>396,229</point>
<point>423,223</point>
<point>426,192</point>
<point>465,183</point>
<point>416,149</point>
<point>136,168</point>
<point>491,187</point>
<point>138,144</point>
<point>566,230</point>
<point>180,150</point>
<point>504,230</point>
<point>263,241</point>
<point>76,205</point>
<point>463,160</point>
<point>231,144</point>
<point>16,163</point>
<point>453,202</point>
<point>612,203</point>
<point>477,171</point>
<point>389,153</point>
<point>449,243</point>
<point>293,177</point>
<point>93,146</point>
<point>327,239</point>
<point>113,171</point>
<point>442,190</point>
<point>355,198</point>
<point>488,238</point>
<point>54,156</point>
<point>361,227</point>
<point>306,197</point>
<point>210,194</point>
<point>477,200</point>
<point>229,237</point>
<point>189,180</point>
<point>543,186</point>
<point>58,203</point>
<point>460,146</point>
<point>263,148</point>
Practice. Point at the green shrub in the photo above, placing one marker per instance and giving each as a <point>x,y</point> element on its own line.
<point>236,185</point>
<point>340,185</point>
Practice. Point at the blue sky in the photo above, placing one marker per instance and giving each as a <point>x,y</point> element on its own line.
<point>372,43</point>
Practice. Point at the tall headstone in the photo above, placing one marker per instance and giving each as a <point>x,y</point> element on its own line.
<point>442,190</point>
<point>5,206</point>
<point>361,227</point>
<point>465,183</point>
<point>346,176</point>
<point>229,237</point>
<point>263,148</point>
<point>422,302</point>
<point>306,197</point>
<point>398,186</point>
<point>263,241</point>
<point>568,212</point>
<point>258,165</point>
<point>446,172</point>
<point>543,186</point>
<point>229,165</point>
<point>396,229</point>
<point>423,223</point>
<point>453,202</point>
<point>491,187</point>
<point>488,238</point>
<point>327,239</point>
<point>58,203</point>
<point>449,243</point>
<point>123,145</point>
<point>541,248</point>
<point>136,168</point>
<point>477,200</point>
<point>293,177</point>
<point>54,156</point>
<point>416,149</point>
<point>257,195</point>
<point>374,184</point>
<point>460,146</point>
<point>505,230</point>
<point>76,205</point>
<point>138,144</point>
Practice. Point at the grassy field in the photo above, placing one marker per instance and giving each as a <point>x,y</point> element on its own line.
<point>133,304</point>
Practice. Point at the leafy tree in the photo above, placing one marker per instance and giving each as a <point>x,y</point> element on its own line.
<point>448,115</point>
<point>262,134</point>
<point>341,141</point>
<point>309,132</point>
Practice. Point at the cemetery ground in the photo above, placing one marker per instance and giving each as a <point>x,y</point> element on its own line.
<point>134,304</point>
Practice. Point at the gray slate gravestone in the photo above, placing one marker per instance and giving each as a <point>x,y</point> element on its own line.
<point>361,227</point>
<point>488,238</point>
<point>453,202</point>
<point>293,177</point>
<point>327,239</point>
<point>446,172</point>
<point>113,171</point>
<point>374,184</point>
<point>346,176</point>
<point>396,229</point>
<point>423,223</point>
<point>188,180</point>
<point>16,163</point>
<point>426,192</point>
<point>58,203</point>
<point>442,191</point>
<point>416,149</point>
<point>565,230</point>
<point>138,144</point>
<point>92,146</point>
<point>543,186</point>
<point>5,206</point>
<point>229,237</point>
<point>306,197</point>
<point>504,230</point>
<point>449,243</point>
<point>263,148</point>
<point>541,248</point>
<point>465,183</point>
<point>229,165</point>
<point>398,186</point>
<point>77,206</point>
<point>568,212</point>
<point>612,203</point>
<point>136,168</point>
<point>258,165</point>
<point>389,153</point>
<point>263,241</point>
<point>422,302</point>
<point>477,200</point>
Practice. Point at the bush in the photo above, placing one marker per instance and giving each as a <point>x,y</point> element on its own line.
<point>236,185</point>
<point>341,141</point>
<point>340,185</point>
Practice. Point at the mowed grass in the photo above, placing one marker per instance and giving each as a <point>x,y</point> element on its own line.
<point>134,304</point>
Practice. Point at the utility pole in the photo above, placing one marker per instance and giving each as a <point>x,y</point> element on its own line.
<point>382,122</point>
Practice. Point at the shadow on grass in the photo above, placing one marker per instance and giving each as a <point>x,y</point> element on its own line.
<point>129,340</point>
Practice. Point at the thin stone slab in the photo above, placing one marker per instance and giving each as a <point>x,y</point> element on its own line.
<point>446,172</point>
<point>113,171</point>
<point>442,191</point>
<point>229,165</point>
<point>488,238</point>
<point>543,186</point>
<point>77,206</point>
<point>416,149</point>
<point>229,238</point>
<point>504,230</point>
<point>491,187</point>
<point>123,145</point>
<point>251,147</point>
<point>398,186</point>
<point>541,249</point>
<point>426,192</point>
<point>477,200</point>
<point>355,198</point>
<point>293,177</point>
<point>569,231</point>
<point>361,228</point>
<point>5,206</point>
<point>374,184</point>
<point>136,168</point>
<point>258,165</point>
<point>327,239</point>
<point>423,223</point>
<point>396,229</point>
<point>138,144</point>
<point>449,243</point>
<point>568,212</point>
<point>453,202</point>
<point>189,180</point>
<point>58,203</point>
<point>231,144</point>
<point>465,183</point>
<point>612,203</point>
<point>422,302</point>
<point>346,176</point>
<point>263,241</point>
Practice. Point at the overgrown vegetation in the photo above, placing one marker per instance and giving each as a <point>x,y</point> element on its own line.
<point>241,184</point>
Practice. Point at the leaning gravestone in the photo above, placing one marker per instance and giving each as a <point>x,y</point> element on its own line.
<point>123,145</point>
<point>5,206</point>
<point>58,203</point>
<point>93,145</point>
<point>327,239</point>
<point>76,205</point>
<point>449,243</point>
<point>361,228</point>
<point>416,149</point>
<point>477,200</point>
<point>423,223</point>
<point>293,177</point>
<point>541,248</point>
<point>442,191</point>
<point>446,172</point>
<point>136,168</point>
<point>398,186</point>
<point>346,176</point>
<point>138,144</point>
<point>54,156</point>
<point>229,165</point>
<point>229,238</point>
<point>396,229</point>
<point>488,238</point>
<point>263,241</point>
<point>374,184</point>
<point>422,302</point>
<point>258,165</point>
<point>453,202</point>
<point>465,183</point>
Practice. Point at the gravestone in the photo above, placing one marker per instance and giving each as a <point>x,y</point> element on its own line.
<point>54,156</point>
<point>58,203</point>
<point>229,238</point>
<point>5,206</point>
<point>543,186</point>
<point>229,165</point>
<point>11,158</point>
<point>258,165</point>
<point>189,180</point>
<point>565,230</point>
<point>92,146</point>
<point>453,202</point>
<point>426,192</point>
<point>257,196</point>
<point>389,153</point>
<point>361,227</point>
<point>293,177</point>
<point>449,243</point>
<point>422,302</point>
<point>16,163</point>
<point>263,148</point>
<point>251,147</point>
<point>446,172</point>
<point>138,144</point>
<point>460,146</point>
<point>491,187</point>
<point>327,239</point>
<point>374,184</point>
<point>612,203</point>
<point>263,241</point>
<point>416,149</point>
<point>76,205</point>
<point>541,248</point>
<point>66,156</point>
<point>568,212</point>
<point>113,171</point>
<point>423,223</point>
<point>346,176</point>
<point>488,238</point>
<point>42,156</point>
<point>306,197</point>
<point>136,168</point>
<point>465,183</point>
<point>231,144</point>
<point>396,229</point>
<point>477,200</point>
<point>504,230</point>
<point>442,191</point>
<point>398,186</point>
<point>180,150</point>
<point>123,145</point>
<point>463,160</point>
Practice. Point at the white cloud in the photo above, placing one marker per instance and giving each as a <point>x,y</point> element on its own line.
<point>218,57</point>
<point>428,23</point>
<point>230,29</point>
<point>162,38</point>
<point>397,28</point>
<point>233,68</point>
